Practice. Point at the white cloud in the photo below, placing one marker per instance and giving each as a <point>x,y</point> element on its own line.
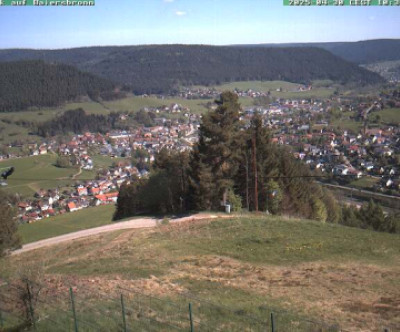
<point>180,13</point>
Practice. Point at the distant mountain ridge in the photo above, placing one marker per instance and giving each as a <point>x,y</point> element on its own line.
<point>361,52</point>
<point>161,68</point>
<point>34,83</point>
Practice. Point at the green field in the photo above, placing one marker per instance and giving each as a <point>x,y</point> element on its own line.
<point>257,86</point>
<point>321,90</point>
<point>100,161</point>
<point>36,172</point>
<point>137,102</point>
<point>246,265</point>
<point>389,115</point>
<point>347,124</point>
<point>67,223</point>
<point>364,183</point>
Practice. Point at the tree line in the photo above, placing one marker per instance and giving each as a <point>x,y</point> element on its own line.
<point>77,121</point>
<point>25,84</point>
<point>165,68</point>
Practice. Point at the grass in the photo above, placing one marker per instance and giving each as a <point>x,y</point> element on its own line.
<point>347,124</point>
<point>364,182</point>
<point>302,269</point>
<point>287,242</point>
<point>136,103</point>
<point>257,85</point>
<point>322,89</point>
<point>34,173</point>
<point>101,161</point>
<point>66,223</point>
<point>389,115</point>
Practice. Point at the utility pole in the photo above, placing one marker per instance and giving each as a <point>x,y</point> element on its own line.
<point>247,182</point>
<point>253,141</point>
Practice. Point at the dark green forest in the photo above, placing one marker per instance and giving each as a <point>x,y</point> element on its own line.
<point>78,122</point>
<point>163,68</point>
<point>361,52</point>
<point>25,84</point>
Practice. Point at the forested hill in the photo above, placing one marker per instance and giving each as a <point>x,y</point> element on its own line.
<point>159,68</point>
<point>25,84</point>
<point>361,52</point>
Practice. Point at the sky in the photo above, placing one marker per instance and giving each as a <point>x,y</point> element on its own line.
<point>215,22</point>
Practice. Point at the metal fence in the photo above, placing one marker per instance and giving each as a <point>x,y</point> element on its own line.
<point>21,309</point>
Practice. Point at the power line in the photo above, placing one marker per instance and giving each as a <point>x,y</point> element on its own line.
<point>266,177</point>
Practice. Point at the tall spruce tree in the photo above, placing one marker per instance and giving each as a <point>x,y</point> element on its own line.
<point>258,163</point>
<point>215,160</point>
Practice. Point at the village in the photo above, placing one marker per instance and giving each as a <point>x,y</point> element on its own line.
<point>306,126</point>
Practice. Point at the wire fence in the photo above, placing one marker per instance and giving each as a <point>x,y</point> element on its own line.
<point>28,306</point>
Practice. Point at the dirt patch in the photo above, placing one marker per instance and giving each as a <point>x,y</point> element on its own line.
<point>363,297</point>
<point>110,287</point>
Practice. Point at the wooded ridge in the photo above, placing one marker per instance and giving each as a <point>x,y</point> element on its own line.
<point>164,68</point>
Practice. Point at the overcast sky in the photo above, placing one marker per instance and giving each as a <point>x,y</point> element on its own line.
<point>218,22</point>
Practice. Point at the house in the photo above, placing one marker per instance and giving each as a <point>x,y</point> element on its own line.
<point>71,207</point>
<point>94,191</point>
<point>43,205</point>
<point>43,150</point>
<point>354,172</point>
<point>340,170</point>
<point>106,198</point>
<point>82,191</point>
<point>112,197</point>
<point>24,206</point>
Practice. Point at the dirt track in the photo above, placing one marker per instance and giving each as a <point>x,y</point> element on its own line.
<point>130,224</point>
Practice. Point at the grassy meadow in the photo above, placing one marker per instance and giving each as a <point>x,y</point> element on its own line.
<point>389,115</point>
<point>66,223</point>
<point>36,172</point>
<point>321,90</point>
<point>248,265</point>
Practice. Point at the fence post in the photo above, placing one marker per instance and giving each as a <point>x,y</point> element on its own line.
<point>123,312</point>
<point>30,300</point>
<point>191,318</point>
<point>71,293</point>
<point>272,322</point>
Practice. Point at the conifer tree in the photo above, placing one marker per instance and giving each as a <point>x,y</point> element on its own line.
<point>215,160</point>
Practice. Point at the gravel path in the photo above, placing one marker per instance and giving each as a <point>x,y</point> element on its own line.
<point>130,224</point>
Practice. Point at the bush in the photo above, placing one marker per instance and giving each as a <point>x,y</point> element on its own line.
<point>235,201</point>
<point>9,238</point>
<point>319,211</point>
<point>274,197</point>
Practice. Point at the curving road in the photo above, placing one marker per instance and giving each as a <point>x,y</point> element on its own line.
<point>130,224</point>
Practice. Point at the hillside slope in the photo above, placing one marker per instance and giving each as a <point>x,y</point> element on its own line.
<point>248,265</point>
<point>361,52</point>
<point>25,84</point>
<point>160,68</point>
